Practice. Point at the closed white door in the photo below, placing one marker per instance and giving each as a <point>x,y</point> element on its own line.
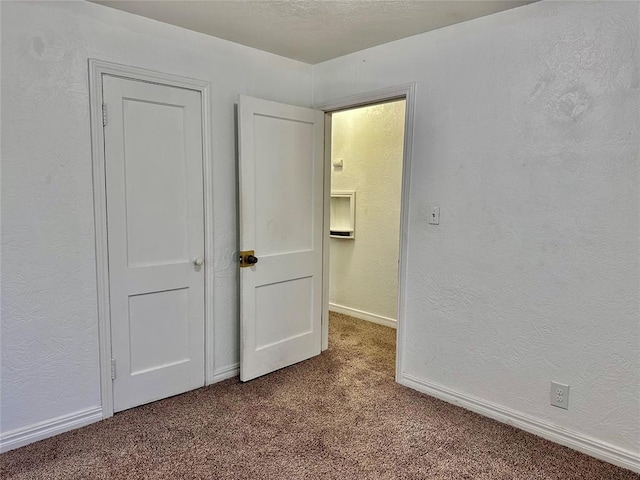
<point>281,222</point>
<point>154,183</point>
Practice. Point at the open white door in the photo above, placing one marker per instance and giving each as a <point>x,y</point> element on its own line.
<point>281,225</point>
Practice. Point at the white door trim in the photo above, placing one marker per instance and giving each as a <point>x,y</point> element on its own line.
<point>407,92</point>
<point>96,69</point>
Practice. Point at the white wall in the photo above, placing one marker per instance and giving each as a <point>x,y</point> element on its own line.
<point>527,135</point>
<point>364,271</point>
<point>49,321</point>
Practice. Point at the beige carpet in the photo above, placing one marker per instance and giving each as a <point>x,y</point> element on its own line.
<point>339,415</point>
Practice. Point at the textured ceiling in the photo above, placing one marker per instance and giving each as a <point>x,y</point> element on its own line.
<point>311,30</point>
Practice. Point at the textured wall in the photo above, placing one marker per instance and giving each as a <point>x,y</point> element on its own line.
<point>364,271</point>
<point>49,322</point>
<point>527,134</point>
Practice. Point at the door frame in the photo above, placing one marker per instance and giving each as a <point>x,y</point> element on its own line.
<point>98,68</point>
<point>406,92</point>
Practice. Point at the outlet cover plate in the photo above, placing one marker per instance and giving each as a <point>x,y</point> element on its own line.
<point>434,215</point>
<point>560,395</point>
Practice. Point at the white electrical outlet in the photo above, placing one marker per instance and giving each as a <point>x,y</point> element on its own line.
<point>434,215</point>
<point>560,395</point>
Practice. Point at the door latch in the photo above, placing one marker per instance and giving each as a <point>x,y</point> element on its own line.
<point>247,258</point>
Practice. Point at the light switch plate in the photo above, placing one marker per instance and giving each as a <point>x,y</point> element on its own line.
<point>434,215</point>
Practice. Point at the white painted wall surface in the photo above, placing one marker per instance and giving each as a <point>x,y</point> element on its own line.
<point>364,271</point>
<point>527,135</point>
<point>49,321</point>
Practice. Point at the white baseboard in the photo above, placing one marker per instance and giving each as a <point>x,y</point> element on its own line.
<point>362,315</point>
<point>568,438</point>
<point>225,373</point>
<point>48,428</point>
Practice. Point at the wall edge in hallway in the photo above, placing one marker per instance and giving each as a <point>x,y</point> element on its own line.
<point>49,428</point>
<point>574,440</point>
<point>362,315</point>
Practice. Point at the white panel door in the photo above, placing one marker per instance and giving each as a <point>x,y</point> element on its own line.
<point>281,219</point>
<point>154,183</point>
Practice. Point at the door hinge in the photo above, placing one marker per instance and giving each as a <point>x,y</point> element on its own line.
<point>104,114</point>
<point>113,369</point>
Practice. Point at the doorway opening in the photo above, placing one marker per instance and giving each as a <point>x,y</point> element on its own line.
<point>366,156</point>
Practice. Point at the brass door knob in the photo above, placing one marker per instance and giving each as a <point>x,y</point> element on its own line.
<point>248,258</point>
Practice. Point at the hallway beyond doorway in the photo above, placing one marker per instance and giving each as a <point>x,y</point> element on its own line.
<point>367,150</point>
